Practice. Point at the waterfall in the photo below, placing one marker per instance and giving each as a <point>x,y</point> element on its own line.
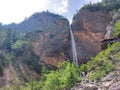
<point>74,51</point>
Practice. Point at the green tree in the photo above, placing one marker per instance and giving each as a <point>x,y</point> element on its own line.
<point>52,82</point>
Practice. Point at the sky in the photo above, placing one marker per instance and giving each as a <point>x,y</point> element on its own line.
<point>17,10</point>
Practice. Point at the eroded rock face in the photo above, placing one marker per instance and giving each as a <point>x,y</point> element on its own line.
<point>19,70</point>
<point>110,27</point>
<point>16,74</point>
<point>89,29</point>
<point>51,44</point>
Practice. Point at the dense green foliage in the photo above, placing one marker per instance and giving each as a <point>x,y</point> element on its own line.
<point>6,39</point>
<point>117,29</point>
<point>105,5</point>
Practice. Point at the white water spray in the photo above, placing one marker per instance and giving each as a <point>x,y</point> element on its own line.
<point>74,51</point>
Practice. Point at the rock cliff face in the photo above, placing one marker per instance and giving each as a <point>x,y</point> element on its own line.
<point>50,37</point>
<point>16,74</point>
<point>89,29</point>
<point>51,40</point>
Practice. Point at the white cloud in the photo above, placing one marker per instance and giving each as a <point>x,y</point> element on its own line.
<point>17,10</point>
<point>59,7</point>
<point>64,7</point>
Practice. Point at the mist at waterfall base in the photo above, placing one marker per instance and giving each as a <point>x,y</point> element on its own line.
<point>74,51</point>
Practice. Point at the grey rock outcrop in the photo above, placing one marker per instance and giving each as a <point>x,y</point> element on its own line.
<point>110,27</point>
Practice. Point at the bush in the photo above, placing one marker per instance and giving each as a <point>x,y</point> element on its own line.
<point>65,76</point>
<point>84,68</point>
<point>117,29</point>
<point>52,81</point>
<point>20,46</point>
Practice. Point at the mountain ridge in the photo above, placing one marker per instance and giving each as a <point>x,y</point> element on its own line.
<point>35,21</point>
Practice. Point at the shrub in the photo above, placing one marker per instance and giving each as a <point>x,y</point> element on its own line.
<point>117,29</point>
<point>84,68</point>
<point>19,44</point>
<point>65,76</point>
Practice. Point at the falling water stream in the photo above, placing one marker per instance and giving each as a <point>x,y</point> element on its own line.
<point>74,51</point>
